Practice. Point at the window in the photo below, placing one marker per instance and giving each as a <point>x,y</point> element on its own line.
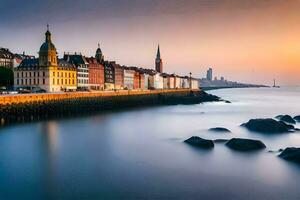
<point>34,74</point>
<point>53,81</point>
<point>53,73</point>
<point>17,81</point>
<point>18,76</point>
<point>44,76</point>
<point>38,81</point>
<point>22,82</point>
<point>34,81</point>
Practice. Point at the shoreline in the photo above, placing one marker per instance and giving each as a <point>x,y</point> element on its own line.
<point>40,109</point>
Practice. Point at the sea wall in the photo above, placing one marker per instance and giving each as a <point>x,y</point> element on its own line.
<point>34,107</point>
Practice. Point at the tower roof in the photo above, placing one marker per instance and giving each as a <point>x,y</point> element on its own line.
<point>47,45</point>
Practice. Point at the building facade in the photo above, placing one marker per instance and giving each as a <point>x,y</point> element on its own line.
<point>128,78</point>
<point>47,72</point>
<point>119,76</point>
<point>109,76</point>
<point>96,74</point>
<point>82,70</point>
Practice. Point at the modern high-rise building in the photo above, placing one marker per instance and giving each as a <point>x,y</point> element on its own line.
<point>158,62</point>
<point>209,74</point>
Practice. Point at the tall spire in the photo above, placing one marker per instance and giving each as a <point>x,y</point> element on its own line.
<point>158,62</point>
<point>48,35</point>
<point>158,53</point>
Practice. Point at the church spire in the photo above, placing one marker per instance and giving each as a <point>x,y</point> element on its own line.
<point>158,61</point>
<point>158,53</point>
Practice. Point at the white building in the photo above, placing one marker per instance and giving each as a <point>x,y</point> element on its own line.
<point>82,70</point>
<point>128,78</point>
<point>158,81</point>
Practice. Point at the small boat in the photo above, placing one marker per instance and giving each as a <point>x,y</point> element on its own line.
<point>274,85</point>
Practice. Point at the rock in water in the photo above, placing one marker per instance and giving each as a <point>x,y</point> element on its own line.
<point>286,118</point>
<point>200,142</point>
<point>297,118</point>
<point>240,144</point>
<point>220,129</point>
<point>291,154</point>
<point>267,126</point>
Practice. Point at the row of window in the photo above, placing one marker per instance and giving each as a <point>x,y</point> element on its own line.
<point>67,75</point>
<point>61,81</point>
<point>30,81</point>
<point>83,81</point>
<point>29,74</point>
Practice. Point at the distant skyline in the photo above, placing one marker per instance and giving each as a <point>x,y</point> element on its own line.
<point>250,41</point>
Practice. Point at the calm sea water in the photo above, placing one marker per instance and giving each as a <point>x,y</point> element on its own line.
<point>139,154</point>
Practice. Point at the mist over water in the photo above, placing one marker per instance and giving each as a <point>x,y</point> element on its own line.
<point>139,154</point>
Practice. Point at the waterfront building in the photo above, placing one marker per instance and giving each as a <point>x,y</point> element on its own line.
<point>128,78</point>
<point>6,58</point>
<point>82,69</point>
<point>158,81</point>
<point>47,72</point>
<point>166,80</point>
<point>96,74</point>
<point>185,82</point>
<point>109,76</point>
<point>171,81</point>
<point>119,76</point>
<point>136,79</point>
<point>177,82</point>
<point>194,83</point>
<point>158,62</point>
<point>146,81</point>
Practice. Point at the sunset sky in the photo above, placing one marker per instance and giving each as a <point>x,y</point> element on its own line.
<point>245,40</point>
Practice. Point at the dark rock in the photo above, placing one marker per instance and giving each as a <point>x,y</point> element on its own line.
<point>220,141</point>
<point>220,129</point>
<point>227,101</point>
<point>200,142</point>
<point>297,118</point>
<point>267,126</point>
<point>240,144</point>
<point>286,118</point>
<point>291,154</point>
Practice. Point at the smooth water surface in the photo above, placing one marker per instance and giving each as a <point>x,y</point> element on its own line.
<point>139,154</point>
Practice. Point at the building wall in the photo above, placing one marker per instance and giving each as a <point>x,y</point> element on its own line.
<point>128,79</point>
<point>62,79</point>
<point>171,82</point>
<point>158,81</point>
<point>96,76</point>
<point>82,77</point>
<point>146,81</point>
<point>141,81</point>
<point>109,77</point>
<point>177,82</point>
<point>32,77</point>
<point>136,80</point>
<point>52,79</point>
<point>119,77</point>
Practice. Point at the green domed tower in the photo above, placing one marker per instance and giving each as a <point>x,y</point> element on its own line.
<point>47,53</point>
